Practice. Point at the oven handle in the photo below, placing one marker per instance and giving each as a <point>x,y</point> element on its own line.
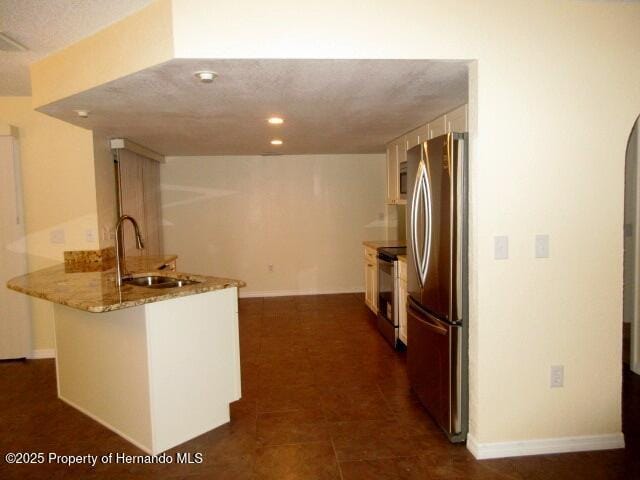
<point>432,325</point>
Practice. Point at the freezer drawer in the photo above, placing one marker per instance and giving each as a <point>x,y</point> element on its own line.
<point>433,363</point>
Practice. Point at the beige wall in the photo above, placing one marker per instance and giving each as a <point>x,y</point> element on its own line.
<point>59,193</point>
<point>553,96</point>
<point>138,41</point>
<point>305,215</point>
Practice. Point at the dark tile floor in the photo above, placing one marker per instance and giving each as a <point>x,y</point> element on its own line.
<point>323,398</point>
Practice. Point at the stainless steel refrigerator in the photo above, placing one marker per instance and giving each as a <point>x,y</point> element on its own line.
<point>437,280</point>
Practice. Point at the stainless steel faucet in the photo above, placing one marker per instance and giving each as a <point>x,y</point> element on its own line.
<point>121,269</point>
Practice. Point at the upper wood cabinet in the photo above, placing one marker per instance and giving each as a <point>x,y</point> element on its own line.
<point>415,136</point>
<point>453,121</point>
<point>456,120</point>
<point>437,127</point>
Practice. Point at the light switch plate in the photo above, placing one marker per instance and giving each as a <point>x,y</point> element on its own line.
<point>557,376</point>
<point>501,247</point>
<point>542,246</point>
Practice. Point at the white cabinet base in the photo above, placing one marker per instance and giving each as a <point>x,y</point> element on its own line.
<point>158,374</point>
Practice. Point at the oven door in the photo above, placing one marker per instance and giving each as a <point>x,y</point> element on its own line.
<point>433,366</point>
<point>387,307</point>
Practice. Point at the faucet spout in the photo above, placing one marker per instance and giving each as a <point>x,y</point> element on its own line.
<point>121,272</point>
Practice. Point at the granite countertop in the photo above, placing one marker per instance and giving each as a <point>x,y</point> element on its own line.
<point>97,292</point>
<point>384,243</point>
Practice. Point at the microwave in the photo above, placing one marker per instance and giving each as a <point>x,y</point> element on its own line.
<point>402,172</point>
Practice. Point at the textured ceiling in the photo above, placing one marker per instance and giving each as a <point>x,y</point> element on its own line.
<point>45,26</point>
<point>329,106</point>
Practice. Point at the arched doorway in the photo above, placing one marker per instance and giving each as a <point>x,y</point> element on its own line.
<point>631,290</point>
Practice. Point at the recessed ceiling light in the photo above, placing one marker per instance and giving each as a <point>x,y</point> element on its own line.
<point>276,141</point>
<point>206,76</point>
<point>275,121</point>
<point>82,113</point>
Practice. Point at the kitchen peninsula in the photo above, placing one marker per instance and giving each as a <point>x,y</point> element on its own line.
<point>158,366</point>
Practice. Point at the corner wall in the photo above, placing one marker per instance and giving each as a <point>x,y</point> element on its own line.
<point>306,215</point>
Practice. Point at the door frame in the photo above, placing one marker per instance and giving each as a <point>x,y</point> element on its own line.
<point>634,354</point>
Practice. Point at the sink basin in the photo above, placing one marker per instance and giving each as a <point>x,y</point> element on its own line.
<point>158,282</point>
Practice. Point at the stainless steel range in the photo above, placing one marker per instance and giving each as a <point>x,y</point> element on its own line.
<point>388,315</point>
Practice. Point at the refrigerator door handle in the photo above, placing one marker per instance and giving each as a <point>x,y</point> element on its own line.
<point>428,210</point>
<point>420,253</point>
<point>431,325</point>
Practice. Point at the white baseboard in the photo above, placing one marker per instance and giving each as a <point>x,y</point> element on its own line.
<point>295,293</point>
<point>543,446</point>
<point>43,353</point>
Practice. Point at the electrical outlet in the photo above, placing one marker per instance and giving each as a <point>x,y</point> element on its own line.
<point>542,246</point>
<point>270,268</point>
<point>90,235</point>
<point>501,247</point>
<point>57,236</point>
<point>557,376</point>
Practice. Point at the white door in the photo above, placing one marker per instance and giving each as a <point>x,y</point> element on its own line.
<point>15,318</point>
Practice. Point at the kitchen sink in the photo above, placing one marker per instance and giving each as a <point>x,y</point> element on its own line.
<point>154,281</point>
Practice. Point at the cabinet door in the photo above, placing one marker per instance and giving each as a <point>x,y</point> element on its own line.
<point>371,279</point>
<point>457,120</point>
<point>370,290</point>
<point>392,172</point>
<point>416,136</point>
<point>413,138</point>
<point>15,316</point>
<point>367,281</point>
<point>402,310</point>
<point>437,127</point>
<point>374,287</point>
